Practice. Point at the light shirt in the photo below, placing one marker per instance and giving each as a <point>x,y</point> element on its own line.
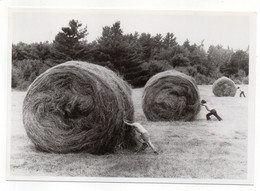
<point>138,127</point>
<point>206,106</point>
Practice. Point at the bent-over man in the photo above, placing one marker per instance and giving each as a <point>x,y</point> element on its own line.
<point>144,135</point>
<point>242,93</point>
<point>211,111</point>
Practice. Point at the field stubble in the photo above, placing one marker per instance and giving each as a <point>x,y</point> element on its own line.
<point>199,149</point>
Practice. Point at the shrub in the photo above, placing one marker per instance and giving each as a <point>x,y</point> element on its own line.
<point>245,80</point>
<point>24,72</point>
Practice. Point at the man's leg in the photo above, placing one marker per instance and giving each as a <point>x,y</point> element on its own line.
<point>214,112</point>
<point>208,116</point>
<point>141,144</point>
<point>143,147</point>
<point>146,138</point>
<point>243,94</point>
<point>218,117</point>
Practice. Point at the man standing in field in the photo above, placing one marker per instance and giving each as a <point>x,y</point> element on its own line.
<point>211,111</point>
<point>144,135</point>
<point>241,92</point>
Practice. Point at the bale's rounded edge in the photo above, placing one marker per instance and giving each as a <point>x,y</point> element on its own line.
<point>78,106</point>
<point>224,87</point>
<point>170,96</point>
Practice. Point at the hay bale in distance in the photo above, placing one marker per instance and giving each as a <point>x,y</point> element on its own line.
<point>224,87</point>
<point>169,96</point>
<point>78,106</point>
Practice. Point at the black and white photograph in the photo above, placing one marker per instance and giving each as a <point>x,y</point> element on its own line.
<point>112,95</point>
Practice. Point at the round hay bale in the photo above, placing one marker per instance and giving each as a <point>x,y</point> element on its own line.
<point>224,87</point>
<point>78,106</point>
<point>171,95</point>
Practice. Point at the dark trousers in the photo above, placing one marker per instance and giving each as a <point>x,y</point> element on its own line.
<point>242,93</point>
<point>213,112</point>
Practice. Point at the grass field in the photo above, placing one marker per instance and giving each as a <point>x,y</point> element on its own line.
<point>199,149</point>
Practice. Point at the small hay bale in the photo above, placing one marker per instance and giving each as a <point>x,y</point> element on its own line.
<point>224,87</point>
<point>169,96</point>
<point>78,106</point>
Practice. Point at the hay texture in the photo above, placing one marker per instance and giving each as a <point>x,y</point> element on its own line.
<point>224,87</point>
<point>170,96</point>
<point>78,106</point>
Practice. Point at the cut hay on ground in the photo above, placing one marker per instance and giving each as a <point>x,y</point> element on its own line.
<point>224,87</point>
<point>169,96</point>
<point>78,106</point>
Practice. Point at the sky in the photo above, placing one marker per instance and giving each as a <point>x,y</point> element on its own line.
<point>227,29</point>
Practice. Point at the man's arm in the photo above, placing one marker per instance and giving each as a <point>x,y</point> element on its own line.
<point>206,107</point>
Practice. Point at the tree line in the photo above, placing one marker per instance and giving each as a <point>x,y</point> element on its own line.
<point>136,57</point>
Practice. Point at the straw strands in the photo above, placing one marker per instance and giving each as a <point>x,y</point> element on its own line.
<point>169,96</point>
<point>78,106</point>
<point>224,87</point>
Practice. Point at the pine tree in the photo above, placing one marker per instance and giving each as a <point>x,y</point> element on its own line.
<point>70,43</point>
<point>169,41</point>
<point>122,51</point>
<point>146,43</point>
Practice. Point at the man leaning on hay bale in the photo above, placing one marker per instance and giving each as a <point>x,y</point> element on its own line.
<point>144,135</point>
<point>211,111</point>
<point>242,93</point>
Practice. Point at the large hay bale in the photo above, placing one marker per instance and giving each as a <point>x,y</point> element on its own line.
<point>171,95</point>
<point>79,106</point>
<point>224,87</point>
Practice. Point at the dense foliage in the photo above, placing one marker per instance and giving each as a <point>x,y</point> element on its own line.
<point>135,57</point>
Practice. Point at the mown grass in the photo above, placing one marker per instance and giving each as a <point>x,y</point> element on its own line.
<point>199,149</point>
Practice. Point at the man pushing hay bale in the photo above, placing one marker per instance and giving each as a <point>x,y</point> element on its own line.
<point>79,106</point>
<point>171,95</point>
<point>224,87</point>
